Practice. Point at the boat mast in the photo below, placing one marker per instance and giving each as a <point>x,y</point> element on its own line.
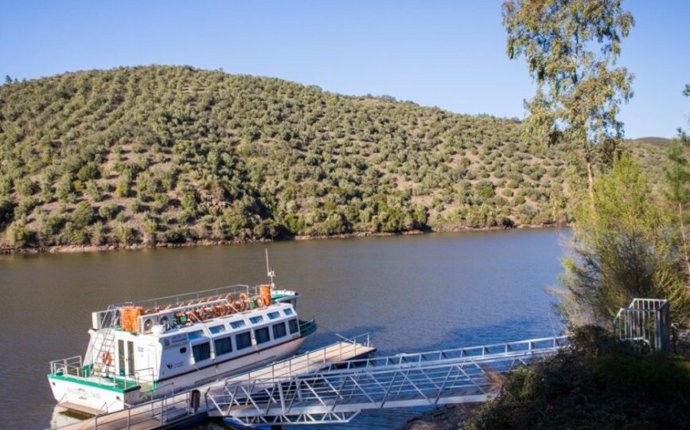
<point>269,272</point>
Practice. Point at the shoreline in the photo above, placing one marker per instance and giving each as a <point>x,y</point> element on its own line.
<point>68,249</point>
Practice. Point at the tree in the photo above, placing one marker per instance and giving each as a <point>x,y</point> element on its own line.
<point>625,247</point>
<point>678,193</point>
<point>678,182</point>
<point>6,212</point>
<point>571,47</point>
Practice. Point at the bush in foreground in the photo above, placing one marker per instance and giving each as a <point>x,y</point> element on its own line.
<point>598,383</point>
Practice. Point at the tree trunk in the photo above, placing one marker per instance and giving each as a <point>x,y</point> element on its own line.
<point>683,237</point>
<point>590,179</point>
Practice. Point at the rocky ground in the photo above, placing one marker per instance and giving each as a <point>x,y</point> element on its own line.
<point>682,345</point>
<point>444,418</point>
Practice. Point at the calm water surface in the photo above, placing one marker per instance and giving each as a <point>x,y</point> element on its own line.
<point>410,293</point>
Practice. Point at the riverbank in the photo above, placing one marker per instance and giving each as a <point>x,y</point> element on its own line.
<point>448,417</point>
<point>206,242</point>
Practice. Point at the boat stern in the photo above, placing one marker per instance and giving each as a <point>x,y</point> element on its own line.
<point>75,388</point>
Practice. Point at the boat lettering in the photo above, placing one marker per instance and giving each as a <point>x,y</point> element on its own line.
<point>174,365</point>
<point>178,338</point>
<point>82,394</point>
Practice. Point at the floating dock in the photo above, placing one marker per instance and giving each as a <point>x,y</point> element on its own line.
<point>191,404</point>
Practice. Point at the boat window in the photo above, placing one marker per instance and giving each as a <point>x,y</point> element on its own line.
<point>273,315</point>
<point>121,356</point>
<point>261,335</point>
<point>293,326</point>
<point>223,346</point>
<point>279,330</point>
<point>257,319</point>
<point>183,350</point>
<point>195,334</point>
<point>130,358</point>
<point>201,352</point>
<point>217,329</point>
<point>287,311</point>
<point>237,324</point>
<point>243,340</point>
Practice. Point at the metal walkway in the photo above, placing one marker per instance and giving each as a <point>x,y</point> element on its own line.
<point>341,391</point>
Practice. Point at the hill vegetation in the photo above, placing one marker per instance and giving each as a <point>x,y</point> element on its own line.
<point>167,155</point>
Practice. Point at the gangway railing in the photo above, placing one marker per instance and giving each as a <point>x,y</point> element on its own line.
<point>647,321</point>
<point>340,392</point>
<point>468,353</point>
<point>289,367</point>
<point>152,414</point>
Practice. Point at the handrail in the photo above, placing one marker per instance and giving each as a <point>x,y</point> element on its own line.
<point>153,409</point>
<point>645,319</point>
<point>467,353</point>
<point>65,364</point>
<point>311,358</point>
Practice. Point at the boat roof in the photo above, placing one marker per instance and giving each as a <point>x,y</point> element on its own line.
<point>188,308</point>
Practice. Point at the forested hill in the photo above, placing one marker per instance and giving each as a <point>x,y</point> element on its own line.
<point>156,155</point>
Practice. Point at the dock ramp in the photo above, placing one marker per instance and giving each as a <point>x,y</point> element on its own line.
<point>340,391</point>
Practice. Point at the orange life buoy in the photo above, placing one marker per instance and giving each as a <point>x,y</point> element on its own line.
<point>107,358</point>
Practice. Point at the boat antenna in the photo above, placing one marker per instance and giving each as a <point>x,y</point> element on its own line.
<point>269,272</point>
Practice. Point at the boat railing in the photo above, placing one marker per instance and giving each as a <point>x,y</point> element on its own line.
<point>67,366</point>
<point>146,379</point>
<point>181,299</point>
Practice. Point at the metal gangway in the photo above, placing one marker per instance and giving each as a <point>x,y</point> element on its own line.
<point>340,391</point>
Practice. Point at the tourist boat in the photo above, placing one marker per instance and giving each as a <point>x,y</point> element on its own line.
<point>146,350</point>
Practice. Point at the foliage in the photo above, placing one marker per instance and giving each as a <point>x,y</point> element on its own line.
<point>678,191</point>
<point>597,383</point>
<point>678,184</point>
<point>6,213</point>
<point>571,48</point>
<point>625,247</point>
<point>202,155</point>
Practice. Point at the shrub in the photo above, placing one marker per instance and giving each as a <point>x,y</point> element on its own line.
<point>597,383</point>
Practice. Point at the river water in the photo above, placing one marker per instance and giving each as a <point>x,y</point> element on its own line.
<point>411,293</point>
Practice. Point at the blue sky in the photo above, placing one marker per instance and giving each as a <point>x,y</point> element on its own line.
<point>449,54</point>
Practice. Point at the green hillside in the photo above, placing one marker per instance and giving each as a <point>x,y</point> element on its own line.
<point>160,155</point>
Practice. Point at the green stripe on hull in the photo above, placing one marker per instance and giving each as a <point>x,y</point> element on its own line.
<point>121,386</point>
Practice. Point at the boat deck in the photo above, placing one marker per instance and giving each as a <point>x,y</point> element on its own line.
<point>168,412</point>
